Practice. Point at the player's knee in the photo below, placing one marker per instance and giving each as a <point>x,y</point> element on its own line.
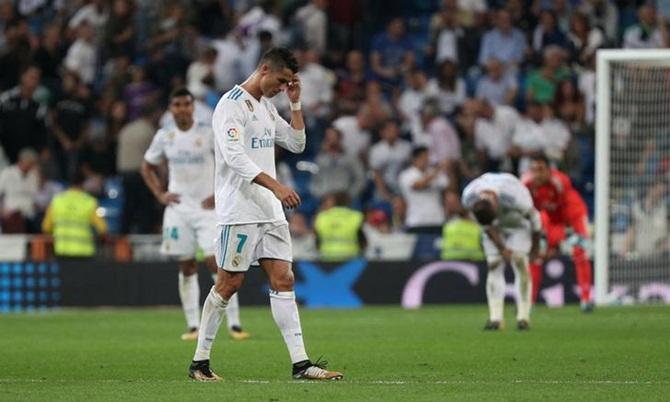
<point>283,282</point>
<point>229,284</point>
<point>188,267</point>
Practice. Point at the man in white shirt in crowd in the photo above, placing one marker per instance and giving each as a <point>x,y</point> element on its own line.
<point>188,221</point>
<point>410,103</point>
<point>503,206</point>
<point>538,133</point>
<point>19,186</point>
<point>493,133</point>
<point>387,158</point>
<point>252,227</point>
<point>423,187</point>
<point>355,131</point>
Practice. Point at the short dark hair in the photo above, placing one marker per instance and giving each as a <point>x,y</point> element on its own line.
<point>418,151</point>
<point>179,92</point>
<point>484,212</point>
<point>541,157</point>
<point>280,58</point>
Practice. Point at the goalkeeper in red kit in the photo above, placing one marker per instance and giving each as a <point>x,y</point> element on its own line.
<point>560,207</point>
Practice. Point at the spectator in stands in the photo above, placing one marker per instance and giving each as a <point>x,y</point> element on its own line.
<point>461,236</point>
<point>339,230</point>
<point>493,130</point>
<point>355,131</point>
<point>392,53</point>
<point>7,14</point>
<point>444,145</point>
<point>49,56</point>
<point>375,103</point>
<point>569,106</point>
<point>119,37</point>
<point>22,118</point>
<point>317,92</point>
<point>351,83</point>
<point>446,34</point>
<point>504,42</point>
<point>18,192</point>
<point>134,139</point>
<point>604,14</point>
<point>302,236</point>
<point>447,87</point>
<point>649,32</point>
<point>541,83</point>
<point>70,218</point>
<point>69,123</point>
<point>538,133</point>
<point>387,158</point>
<point>648,232</point>
<point>312,21</point>
<point>82,56</point>
<point>410,103</point>
<point>584,39</point>
<point>200,70</point>
<point>422,187</point>
<point>116,118</point>
<point>139,92</point>
<point>16,56</point>
<point>338,172</point>
<point>548,33</point>
<point>496,87</point>
<point>95,14</point>
<point>97,162</point>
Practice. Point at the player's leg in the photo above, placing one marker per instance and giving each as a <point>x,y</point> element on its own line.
<point>523,286</point>
<point>582,264</point>
<point>233,262</point>
<point>519,242</point>
<point>274,256</point>
<point>495,285</point>
<point>233,310</point>
<point>189,294</point>
<point>536,267</point>
<point>179,241</point>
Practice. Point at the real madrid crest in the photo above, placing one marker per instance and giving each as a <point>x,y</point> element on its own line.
<point>170,136</point>
<point>249,105</point>
<point>236,260</point>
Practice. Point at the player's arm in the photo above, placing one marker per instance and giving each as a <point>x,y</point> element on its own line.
<point>292,136</point>
<point>229,137</point>
<point>149,171</point>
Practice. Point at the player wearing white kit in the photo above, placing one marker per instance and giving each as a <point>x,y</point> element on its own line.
<point>189,219</point>
<point>252,226</point>
<point>504,208</point>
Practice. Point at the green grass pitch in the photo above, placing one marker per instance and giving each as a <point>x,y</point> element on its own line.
<point>386,353</point>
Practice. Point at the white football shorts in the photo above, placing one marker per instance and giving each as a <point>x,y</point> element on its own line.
<point>518,241</point>
<point>184,229</point>
<point>240,246</point>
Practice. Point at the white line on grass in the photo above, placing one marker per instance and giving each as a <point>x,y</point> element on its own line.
<point>357,382</point>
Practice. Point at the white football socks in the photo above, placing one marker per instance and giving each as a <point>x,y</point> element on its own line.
<point>212,314</point>
<point>523,286</point>
<point>233,312</point>
<point>285,313</point>
<point>189,293</point>
<point>495,291</point>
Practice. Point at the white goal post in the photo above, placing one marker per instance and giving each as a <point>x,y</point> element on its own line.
<point>632,116</point>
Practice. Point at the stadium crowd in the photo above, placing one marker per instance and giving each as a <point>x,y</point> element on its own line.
<point>399,96</point>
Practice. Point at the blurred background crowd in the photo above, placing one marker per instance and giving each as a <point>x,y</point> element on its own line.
<point>405,101</point>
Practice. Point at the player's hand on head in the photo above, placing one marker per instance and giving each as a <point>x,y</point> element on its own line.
<point>293,89</point>
<point>288,197</point>
<point>168,198</point>
<point>506,254</point>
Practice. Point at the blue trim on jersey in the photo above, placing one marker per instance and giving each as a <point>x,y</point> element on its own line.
<point>233,93</point>
<point>237,96</point>
<point>225,247</point>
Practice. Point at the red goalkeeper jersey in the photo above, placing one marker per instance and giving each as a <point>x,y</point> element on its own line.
<point>557,198</point>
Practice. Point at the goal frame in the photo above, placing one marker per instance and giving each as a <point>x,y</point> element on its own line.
<point>601,251</point>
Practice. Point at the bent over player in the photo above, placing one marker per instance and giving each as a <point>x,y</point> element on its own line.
<point>189,218</point>
<point>560,207</point>
<point>252,227</point>
<point>503,207</point>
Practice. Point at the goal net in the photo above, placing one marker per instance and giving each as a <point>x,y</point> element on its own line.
<point>632,248</point>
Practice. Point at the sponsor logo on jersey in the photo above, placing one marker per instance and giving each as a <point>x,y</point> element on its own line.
<point>266,141</point>
<point>233,134</point>
<point>249,105</point>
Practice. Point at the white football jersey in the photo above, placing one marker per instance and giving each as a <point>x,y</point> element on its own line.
<point>190,158</point>
<point>245,133</point>
<point>515,204</point>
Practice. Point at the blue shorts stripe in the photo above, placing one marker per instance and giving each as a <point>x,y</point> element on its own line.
<point>225,245</point>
